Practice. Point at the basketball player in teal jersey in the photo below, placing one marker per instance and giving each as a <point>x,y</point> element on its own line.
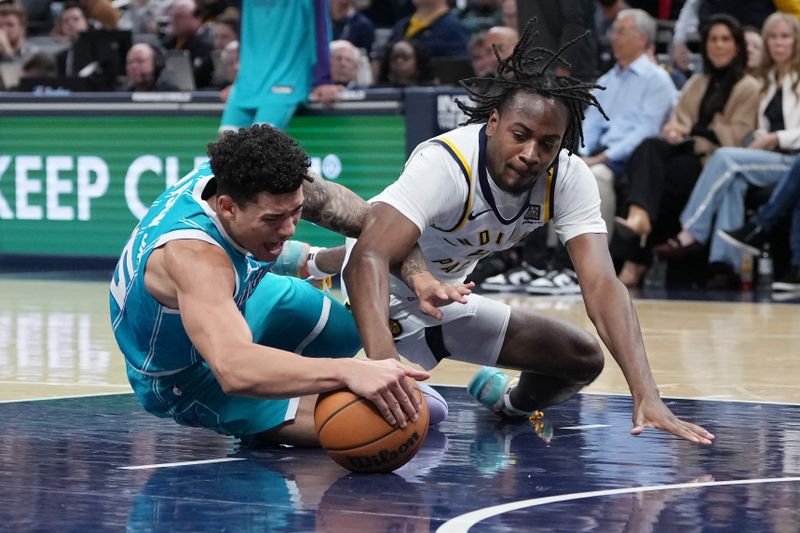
<point>483,188</point>
<point>283,54</point>
<point>210,336</point>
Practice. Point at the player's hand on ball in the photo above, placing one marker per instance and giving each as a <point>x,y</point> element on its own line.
<point>385,383</point>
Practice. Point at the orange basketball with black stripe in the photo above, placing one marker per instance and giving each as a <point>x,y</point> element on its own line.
<point>354,434</point>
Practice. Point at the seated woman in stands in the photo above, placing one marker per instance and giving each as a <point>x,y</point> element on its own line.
<point>718,198</point>
<point>715,108</point>
<point>405,65</point>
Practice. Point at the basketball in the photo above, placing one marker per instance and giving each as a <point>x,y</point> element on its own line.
<point>354,434</point>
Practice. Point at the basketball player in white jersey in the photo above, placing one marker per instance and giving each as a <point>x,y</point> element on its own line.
<point>482,188</point>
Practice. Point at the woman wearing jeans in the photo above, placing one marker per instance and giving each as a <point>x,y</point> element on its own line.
<point>717,200</point>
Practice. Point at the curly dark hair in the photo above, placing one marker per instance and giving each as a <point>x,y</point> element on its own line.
<point>529,69</point>
<point>255,160</point>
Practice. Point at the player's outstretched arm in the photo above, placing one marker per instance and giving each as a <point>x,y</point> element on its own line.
<point>610,308</point>
<point>386,240</point>
<point>200,279</point>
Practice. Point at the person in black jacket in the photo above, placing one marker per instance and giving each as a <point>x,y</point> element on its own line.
<point>560,22</point>
<point>186,32</point>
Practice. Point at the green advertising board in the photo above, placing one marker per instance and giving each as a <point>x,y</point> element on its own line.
<point>77,185</point>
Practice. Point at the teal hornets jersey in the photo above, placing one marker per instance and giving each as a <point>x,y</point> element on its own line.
<point>151,336</point>
<point>277,53</point>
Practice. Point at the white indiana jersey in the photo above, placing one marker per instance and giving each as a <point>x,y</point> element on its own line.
<point>445,189</point>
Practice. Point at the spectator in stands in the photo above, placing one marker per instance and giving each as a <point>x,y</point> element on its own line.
<point>604,17</point>
<point>143,68</point>
<point>284,51</point>
<point>345,65</point>
<point>482,48</point>
<point>509,10</point>
<point>480,15</point>
<point>70,24</point>
<point>717,200</point>
<point>142,16</point>
<point>717,108</point>
<point>225,29</point>
<point>696,13</point>
<point>434,28</point>
<point>13,30</point>
<point>755,49</point>
<point>606,14</point>
<point>186,32</point>
<point>229,63</point>
<point>39,65</point>
<point>559,23</point>
<point>638,98</point>
<point>350,25</point>
<point>784,201</point>
<point>478,53</point>
<point>407,64</point>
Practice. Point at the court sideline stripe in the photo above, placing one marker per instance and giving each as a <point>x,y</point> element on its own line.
<point>184,463</point>
<point>461,524</point>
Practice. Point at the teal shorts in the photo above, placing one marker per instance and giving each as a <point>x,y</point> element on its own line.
<point>274,113</point>
<point>282,312</point>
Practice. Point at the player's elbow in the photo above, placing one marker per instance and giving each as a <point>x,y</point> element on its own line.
<point>230,377</point>
<point>362,261</point>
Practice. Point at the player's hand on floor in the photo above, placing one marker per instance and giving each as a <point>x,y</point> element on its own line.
<point>436,294</point>
<point>386,384</point>
<point>653,413</point>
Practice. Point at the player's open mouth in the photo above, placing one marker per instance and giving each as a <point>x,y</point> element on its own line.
<point>274,248</point>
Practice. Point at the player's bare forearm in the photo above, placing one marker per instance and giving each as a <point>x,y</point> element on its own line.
<point>367,282</point>
<point>612,312</point>
<point>610,308</point>
<point>330,260</point>
<point>334,207</point>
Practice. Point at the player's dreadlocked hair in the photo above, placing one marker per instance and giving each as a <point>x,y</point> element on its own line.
<point>255,160</point>
<point>529,69</point>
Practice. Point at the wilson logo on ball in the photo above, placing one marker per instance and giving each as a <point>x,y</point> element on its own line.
<point>383,457</point>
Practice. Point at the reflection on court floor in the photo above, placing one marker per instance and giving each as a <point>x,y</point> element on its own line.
<point>101,464</point>
<point>89,458</point>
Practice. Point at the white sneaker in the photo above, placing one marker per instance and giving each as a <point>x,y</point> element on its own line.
<point>563,281</point>
<point>513,279</point>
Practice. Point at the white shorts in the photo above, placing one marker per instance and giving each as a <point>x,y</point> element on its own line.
<point>473,332</point>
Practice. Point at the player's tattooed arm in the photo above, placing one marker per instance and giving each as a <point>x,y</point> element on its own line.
<point>332,206</point>
<point>412,265</point>
<point>431,293</point>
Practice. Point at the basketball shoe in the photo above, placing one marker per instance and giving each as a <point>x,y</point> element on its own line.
<point>514,279</point>
<point>555,282</point>
<point>492,388</point>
